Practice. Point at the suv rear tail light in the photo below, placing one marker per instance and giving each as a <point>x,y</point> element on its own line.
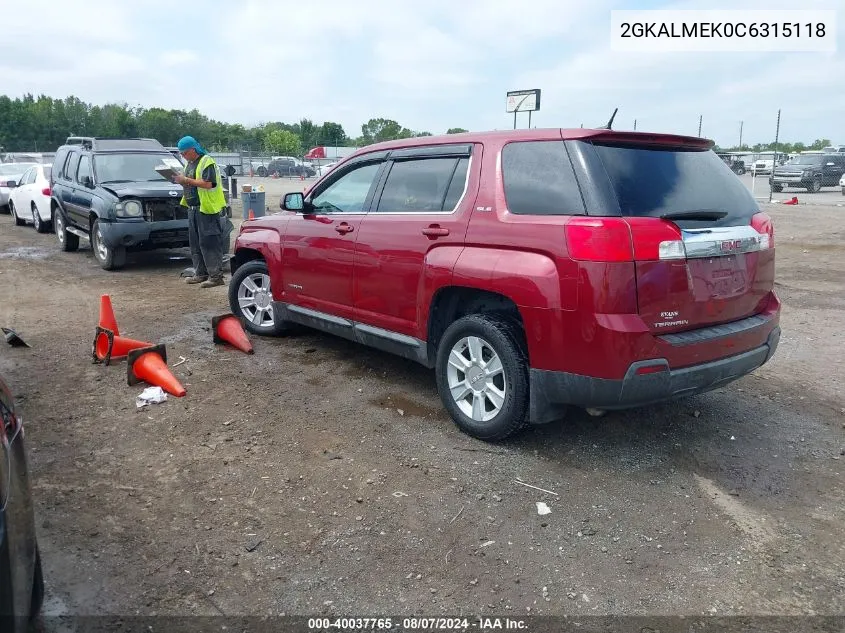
<point>624,239</point>
<point>46,191</point>
<point>599,240</point>
<point>655,239</point>
<point>762,223</point>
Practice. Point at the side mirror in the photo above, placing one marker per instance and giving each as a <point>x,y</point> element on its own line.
<point>293,202</point>
<point>87,181</point>
<point>11,184</point>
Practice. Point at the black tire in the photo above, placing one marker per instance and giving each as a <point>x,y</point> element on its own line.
<point>254,268</point>
<point>19,221</point>
<point>108,257</point>
<point>815,186</point>
<point>262,171</point>
<point>68,242</point>
<point>504,336</point>
<point>40,225</point>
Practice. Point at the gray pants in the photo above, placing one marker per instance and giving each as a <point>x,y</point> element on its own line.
<point>207,234</point>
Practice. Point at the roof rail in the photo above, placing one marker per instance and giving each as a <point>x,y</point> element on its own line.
<point>111,143</point>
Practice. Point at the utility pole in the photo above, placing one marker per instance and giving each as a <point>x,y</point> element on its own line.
<point>635,125</point>
<point>740,135</point>
<point>699,125</point>
<point>775,156</point>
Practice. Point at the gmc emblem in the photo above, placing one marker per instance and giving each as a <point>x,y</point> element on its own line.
<point>731,245</point>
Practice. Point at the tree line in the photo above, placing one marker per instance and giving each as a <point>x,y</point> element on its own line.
<point>42,124</point>
<point>785,148</point>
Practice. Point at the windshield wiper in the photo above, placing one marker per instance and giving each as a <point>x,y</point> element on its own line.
<point>105,182</point>
<point>694,215</point>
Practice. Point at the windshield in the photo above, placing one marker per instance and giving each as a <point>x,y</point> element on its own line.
<point>14,169</point>
<point>132,167</point>
<point>653,182</point>
<point>806,160</point>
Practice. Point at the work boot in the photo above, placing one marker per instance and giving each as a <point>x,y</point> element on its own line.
<point>195,280</point>
<point>212,282</point>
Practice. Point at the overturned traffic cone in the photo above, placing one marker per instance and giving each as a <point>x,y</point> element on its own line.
<point>227,328</point>
<point>108,346</point>
<point>149,365</point>
<point>107,319</point>
<point>793,201</point>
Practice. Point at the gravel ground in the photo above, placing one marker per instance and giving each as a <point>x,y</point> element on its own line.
<point>318,476</point>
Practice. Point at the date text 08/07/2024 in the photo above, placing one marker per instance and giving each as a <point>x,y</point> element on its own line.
<point>416,624</point>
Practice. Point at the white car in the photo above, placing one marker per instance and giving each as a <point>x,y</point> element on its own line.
<point>10,172</point>
<point>30,200</point>
<point>324,169</point>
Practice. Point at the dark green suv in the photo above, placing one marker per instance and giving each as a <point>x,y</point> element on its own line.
<point>107,191</point>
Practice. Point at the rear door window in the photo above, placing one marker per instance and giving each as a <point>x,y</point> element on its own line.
<point>539,179</point>
<point>651,182</point>
<point>423,185</point>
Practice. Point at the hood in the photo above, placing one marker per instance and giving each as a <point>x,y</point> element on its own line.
<point>157,189</point>
<point>787,169</point>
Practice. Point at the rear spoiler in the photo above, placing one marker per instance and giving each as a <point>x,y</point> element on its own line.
<point>653,140</point>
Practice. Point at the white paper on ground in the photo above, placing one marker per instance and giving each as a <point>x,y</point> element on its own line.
<point>150,395</point>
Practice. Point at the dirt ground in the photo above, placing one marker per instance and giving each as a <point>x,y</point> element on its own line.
<point>318,476</point>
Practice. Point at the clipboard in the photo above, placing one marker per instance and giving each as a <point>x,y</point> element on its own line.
<point>167,172</point>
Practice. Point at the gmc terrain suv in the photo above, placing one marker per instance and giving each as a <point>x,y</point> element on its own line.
<point>107,191</point>
<point>810,171</point>
<point>532,270</point>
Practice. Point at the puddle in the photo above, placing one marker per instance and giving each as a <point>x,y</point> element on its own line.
<point>409,407</point>
<point>25,252</point>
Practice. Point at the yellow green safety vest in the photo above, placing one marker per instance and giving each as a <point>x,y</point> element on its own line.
<point>211,200</point>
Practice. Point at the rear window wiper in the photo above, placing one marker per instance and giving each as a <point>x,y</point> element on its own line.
<point>694,215</point>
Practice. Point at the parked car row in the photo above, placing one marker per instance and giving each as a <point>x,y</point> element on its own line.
<point>532,270</point>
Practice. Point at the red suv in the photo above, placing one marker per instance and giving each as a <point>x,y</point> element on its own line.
<point>531,269</point>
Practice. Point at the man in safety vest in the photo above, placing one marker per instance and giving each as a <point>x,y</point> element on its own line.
<point>207,222</point>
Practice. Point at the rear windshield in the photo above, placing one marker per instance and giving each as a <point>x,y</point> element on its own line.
<point>653,182</point>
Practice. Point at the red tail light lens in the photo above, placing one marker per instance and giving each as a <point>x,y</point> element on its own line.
<point>46,191</point>
<point>762,223</point>
<point>599,240</point>
<point>655,239</point>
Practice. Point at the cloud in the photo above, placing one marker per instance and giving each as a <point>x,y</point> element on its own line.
<point>429,65</point>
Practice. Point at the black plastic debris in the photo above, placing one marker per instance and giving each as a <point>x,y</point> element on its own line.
<point>13,339</point>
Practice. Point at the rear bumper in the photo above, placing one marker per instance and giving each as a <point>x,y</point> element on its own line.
<point>167,234</point>
<point>553,391</point>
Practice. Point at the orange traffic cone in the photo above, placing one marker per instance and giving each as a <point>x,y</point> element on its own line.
<point>108,346</point>
<point>149,364</point>
<point>227,328</point>
<point>793,201</point>
<point>107,320</point>
<point>251,215</point>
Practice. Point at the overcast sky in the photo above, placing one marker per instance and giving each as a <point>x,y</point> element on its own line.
<point>430,65</point>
